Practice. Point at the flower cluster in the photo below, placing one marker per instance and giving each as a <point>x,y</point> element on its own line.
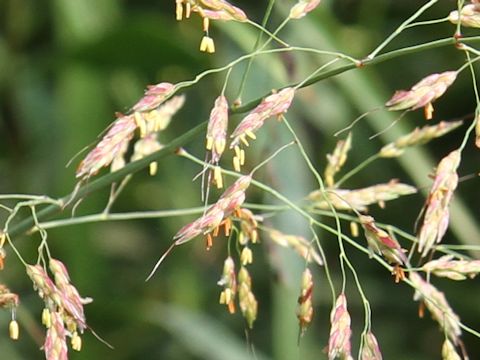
<point>298,243</point>
<point>380,242</point>
<point>305,305</point>
<point>339,344</point>
<point>436,219</point>
<point>337,159</point>
<point>302,8</point>
<point>469,15</point>
<point>418,136</point>
<point>275,104</point>
<point>151,114</point>
<point>215,215</point>
<point>359,199</point>
<point>209,10</point>
<point>63,314</point>
<point>423,93</point>
<point>452,269</point>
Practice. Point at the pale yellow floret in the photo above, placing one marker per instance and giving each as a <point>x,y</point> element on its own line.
<point>242,157</point>
<point>222,298</point>
<point>207,45</point>
<point>354,228</point>
<point>250,134</point>
<point>46,318</point>
<point>217,176</point>
<point>246,257</point>
<point>14,330</point>
<point>244,140</point>
<point>153,167</point>
<point>76,342</point>
<point>140,123</point>
<point>179,10</point>
<point>237,150</point>
<point>220,146</point>
<point>236,163</point>
<point>209,144</point>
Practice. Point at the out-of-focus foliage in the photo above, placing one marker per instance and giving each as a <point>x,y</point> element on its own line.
<point>67,66</point>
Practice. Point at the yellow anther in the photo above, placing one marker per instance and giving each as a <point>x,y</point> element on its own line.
<point>220,146</point>
<point>237,151</point>
<point>242,157</point>
<point>179,10</point>
<point>222,298</point>
<point>428,111</point>
<point>209,144</point>
<point>354,229</point>
<point>244,140</point>
<point>46,318</point>
<point>246,257</point>
<point>236,163</point>
<point>153,167</point>
<point>254,236</point>
<point>217,176</point>
<point>250,134</point>
<point>188,10</point>
<point>76,342</point>
<point>207,45</point>
<point>14,330</point>
<point>140,123</point>
<point>206,24</point>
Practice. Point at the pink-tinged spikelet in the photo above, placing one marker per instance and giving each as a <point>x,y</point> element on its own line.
<point>302,8</point>
<point>423,93</point>
<point>112,145</point>
<point>339,345</point>
<point>154,96</point>
<point>217,129</point>
<point>55,346</point>
<point>436,219</point>
<point>469,15</point>
<point>370,350</point>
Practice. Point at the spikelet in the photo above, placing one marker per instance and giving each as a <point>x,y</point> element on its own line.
<point>449,352</point>
<point>360,199</point>
<point>469,16</point>
<point>370,350</point>
<point>298,243</point>
<point>423,93</point>
<point>229,201</point>
<point>339,345</point>
<point>379,241</point>
<point>438,306</point>
<point>55,346</point>
<point>246,299</point>
<point>302,8</point>
<point>229,283</point>
<point>305,305</point>
<point>113,145</point>
<point>275,104</point>
<point>453,269</point>
<point>435,222</point>
<point>336,160</point>
<point>419,136</point>
<point>7,298</point>
<point>154,96</point>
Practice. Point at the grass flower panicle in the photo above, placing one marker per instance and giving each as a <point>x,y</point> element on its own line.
<point>437,214</point>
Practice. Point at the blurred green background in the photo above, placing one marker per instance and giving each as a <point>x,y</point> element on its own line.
<point>67,66</point>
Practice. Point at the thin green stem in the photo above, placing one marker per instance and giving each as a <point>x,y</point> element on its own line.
<point>401,28</point>
<point>427,22</point>
<point>357,169</point>
<point>262,27</point>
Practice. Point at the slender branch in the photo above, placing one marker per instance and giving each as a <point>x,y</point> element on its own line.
<point>106,180</point>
